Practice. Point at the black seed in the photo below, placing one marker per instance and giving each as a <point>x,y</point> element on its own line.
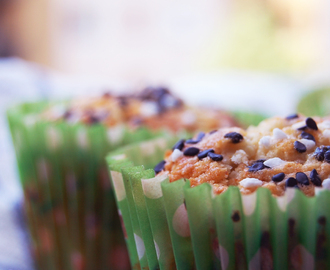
<point>311,123</point>
<point>153,93</point>
<point>300,147</point>
<point>192,141</point>
<point>257,166</point>
<point>204,153</point>
<point>302,128</point>
<point>162,96</point>
<point>160,166</point>
<point>215,157</point>
<point>290,182</point>
<point>213,131</point>
<point>234,136</point>
<point>168,101</point>
<point>292,116</point>
<point>307,136</point>
<point>191,151</point>
<point>200,136</point>
<point>179,145</point>
<point>319,152</point>
<point>302,178</point>
<point>327,156</point>
<point>263,160</point>
<point>316,180</point>
<point>236,217</point>
<point>278,177</point>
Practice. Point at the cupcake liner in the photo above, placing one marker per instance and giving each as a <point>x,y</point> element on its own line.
<point>135,210</point>
<point>69,201</point>
<point>191,228</point>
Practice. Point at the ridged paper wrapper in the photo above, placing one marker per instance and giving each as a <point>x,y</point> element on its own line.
<point>69,201</point>
<point>175,226</point>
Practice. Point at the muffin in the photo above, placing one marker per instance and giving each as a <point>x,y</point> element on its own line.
<point>60,149</point>
<point>154,108</point>
<point>233,198</point>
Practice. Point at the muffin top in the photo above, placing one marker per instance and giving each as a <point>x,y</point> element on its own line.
<point>154,107</point>
<point>277,154</point>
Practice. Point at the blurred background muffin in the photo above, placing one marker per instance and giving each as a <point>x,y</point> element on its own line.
<point>61,148</point>
<point>154,107</point>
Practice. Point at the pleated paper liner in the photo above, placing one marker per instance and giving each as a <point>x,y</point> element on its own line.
<point>69,201</point>
<point>68,197</point>
<point>173,226</point>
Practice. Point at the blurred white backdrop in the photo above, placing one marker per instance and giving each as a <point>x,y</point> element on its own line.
<point>132,40</point>
<point>143,40</point>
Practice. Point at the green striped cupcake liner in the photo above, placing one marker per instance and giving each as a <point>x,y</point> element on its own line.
<point>173,226</point>
<point>69,201</point>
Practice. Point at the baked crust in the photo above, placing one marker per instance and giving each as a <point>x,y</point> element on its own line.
<point>277,145</point>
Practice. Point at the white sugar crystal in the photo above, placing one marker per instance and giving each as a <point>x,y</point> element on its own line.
<point>326,133</point>
<point>274,162</point>
<point>239,157</point>
<point>148,109</point>
<point>326,183</point>
<point>188,118</point>
<point>324,125</point>
<point>299,125</point>
<point>279,134</point>
<point>265,141</point>
<point>250,182</point>
<point>310,144</point>
<point>176,154</point>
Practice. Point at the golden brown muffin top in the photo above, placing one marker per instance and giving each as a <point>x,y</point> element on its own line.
<point>277,154</point>
<point>154,107</point>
